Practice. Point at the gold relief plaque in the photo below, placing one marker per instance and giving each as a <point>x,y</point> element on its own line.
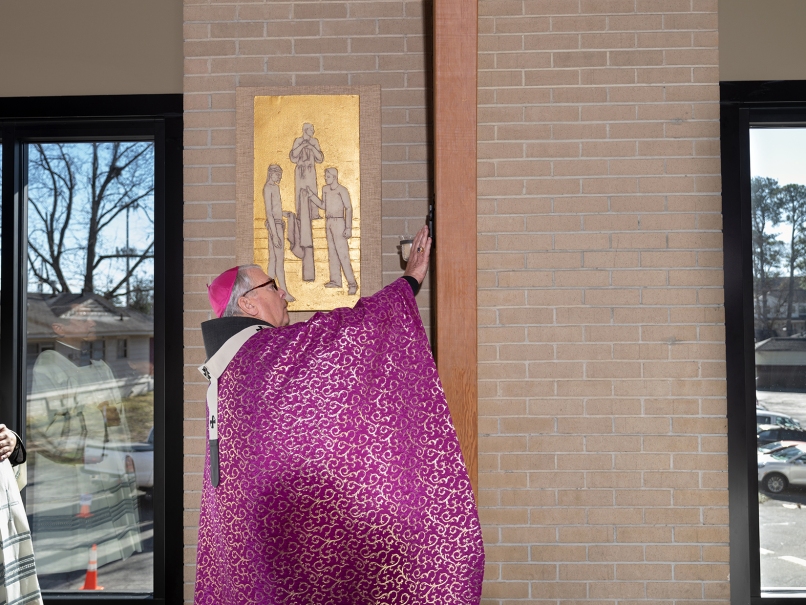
<point>307,197</point>
<point>308,191</point>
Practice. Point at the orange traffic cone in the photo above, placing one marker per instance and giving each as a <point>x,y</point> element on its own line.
<point>84,502</point>
<point>91,582</point>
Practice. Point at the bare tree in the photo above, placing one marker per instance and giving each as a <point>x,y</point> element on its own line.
<point>141,295</point>
<point>77,196</point>
<point>767,248</point>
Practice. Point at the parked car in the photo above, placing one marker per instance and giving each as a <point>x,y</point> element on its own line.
<point>768,433</point>
<point>783,468</point>
<point>136,458</point>
<point>775,446</point>
<point>767,417</point>
<point>143,456</point>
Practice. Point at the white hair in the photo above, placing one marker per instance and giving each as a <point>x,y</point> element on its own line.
<point>241,285</point>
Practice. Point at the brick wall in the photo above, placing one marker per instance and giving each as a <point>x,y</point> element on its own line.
<point>305,43</point>
<point>601,339</point>
<point>602,411</point>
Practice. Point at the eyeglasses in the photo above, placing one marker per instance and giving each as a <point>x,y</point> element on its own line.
<point>271,283</point>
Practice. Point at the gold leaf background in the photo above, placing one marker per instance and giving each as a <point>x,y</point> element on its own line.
<point>278,122</point>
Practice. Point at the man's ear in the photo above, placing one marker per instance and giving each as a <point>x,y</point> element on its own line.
<point>58,328</point>
<point>247,306</point>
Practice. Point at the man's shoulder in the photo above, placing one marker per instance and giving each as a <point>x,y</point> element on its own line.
<point>216,332</point>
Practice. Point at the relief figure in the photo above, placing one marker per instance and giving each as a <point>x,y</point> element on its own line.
<point>305,153</point>
<point>275,227</point>
<point>335,201</point>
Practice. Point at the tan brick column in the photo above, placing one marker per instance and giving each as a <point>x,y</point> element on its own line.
<point>602,381</point>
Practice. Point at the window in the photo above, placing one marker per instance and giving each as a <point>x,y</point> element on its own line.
<point>92,350</point>
<point>763,141</point>
<point>768,436</point>
<point>123,351</point>
<point>86,183</point>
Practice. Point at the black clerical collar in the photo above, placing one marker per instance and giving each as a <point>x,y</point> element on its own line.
<point>218,331</point>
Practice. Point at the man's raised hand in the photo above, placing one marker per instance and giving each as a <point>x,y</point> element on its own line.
<point>419,256</point>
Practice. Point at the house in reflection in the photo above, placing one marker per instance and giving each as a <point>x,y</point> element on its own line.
<point>781,364</point>
<point>121,337</point>
<point>87,361</point>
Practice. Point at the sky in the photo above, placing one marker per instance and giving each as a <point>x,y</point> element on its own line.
<point>111,238</point>
<point>779,153</point>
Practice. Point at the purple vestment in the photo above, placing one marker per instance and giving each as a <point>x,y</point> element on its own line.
<point>341,478</point>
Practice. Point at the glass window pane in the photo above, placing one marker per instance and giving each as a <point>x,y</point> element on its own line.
<point>778,196</point>
<point>90,409</point>
<point>1,189</point>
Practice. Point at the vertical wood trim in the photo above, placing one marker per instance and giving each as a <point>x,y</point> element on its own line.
<point>455,69</point>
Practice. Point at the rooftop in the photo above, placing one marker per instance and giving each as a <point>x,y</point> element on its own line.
<point>46,309</point>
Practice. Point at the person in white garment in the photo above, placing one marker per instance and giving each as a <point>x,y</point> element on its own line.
<point>80,491</point>
<point>17,564</point>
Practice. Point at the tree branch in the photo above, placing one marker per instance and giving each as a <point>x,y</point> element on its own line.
<point>104,257</point>
<point>130,272</point>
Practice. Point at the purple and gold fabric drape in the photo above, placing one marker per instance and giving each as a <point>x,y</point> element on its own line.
<point>342,481</point>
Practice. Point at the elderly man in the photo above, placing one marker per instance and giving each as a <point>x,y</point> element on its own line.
<point>334,475</point>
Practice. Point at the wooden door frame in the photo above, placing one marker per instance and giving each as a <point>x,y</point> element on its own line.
<point>455,72</point>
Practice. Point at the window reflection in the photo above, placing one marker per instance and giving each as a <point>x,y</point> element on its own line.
<point>90,404</point>
<point>778,197</point>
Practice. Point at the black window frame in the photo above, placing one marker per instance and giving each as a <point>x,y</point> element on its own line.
<point>743,105</point>
<point>81,118</point>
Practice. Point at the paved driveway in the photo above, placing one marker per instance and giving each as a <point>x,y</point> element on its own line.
<point>782,518</point>
<point>135,574</point>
